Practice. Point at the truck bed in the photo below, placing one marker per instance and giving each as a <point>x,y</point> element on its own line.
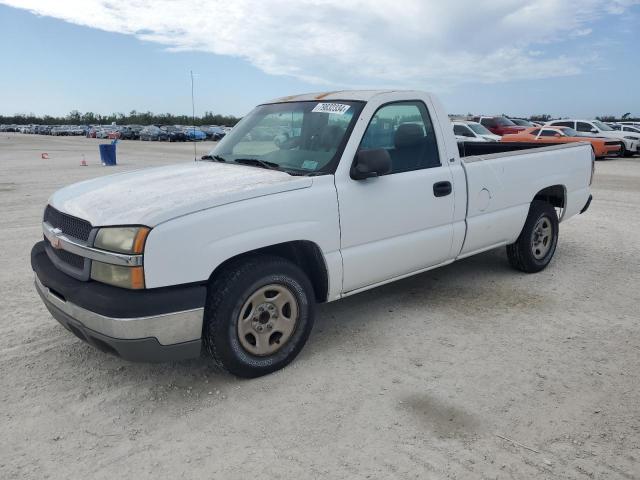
<point>469,149</point>
<point>501,184</point>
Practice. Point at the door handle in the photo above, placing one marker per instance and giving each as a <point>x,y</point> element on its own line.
<point>441,189</point>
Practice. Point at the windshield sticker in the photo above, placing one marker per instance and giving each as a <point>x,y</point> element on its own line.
<point>335,108</point>
<point>309,164</point>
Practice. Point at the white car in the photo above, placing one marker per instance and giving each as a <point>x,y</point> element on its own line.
<point>623,127</point>
<point>231,255</point>
<point>466,131</point>
<point>596,128</point>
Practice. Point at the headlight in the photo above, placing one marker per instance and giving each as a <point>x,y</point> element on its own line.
<point>122,239</point>
<point>118,276</point>
<point>632,138</point>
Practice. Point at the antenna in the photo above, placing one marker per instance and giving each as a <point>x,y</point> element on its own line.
<point>193,115</point>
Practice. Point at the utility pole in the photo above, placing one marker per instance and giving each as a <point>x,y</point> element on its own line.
<point>193,115</point>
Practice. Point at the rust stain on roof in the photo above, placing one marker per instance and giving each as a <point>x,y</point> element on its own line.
<point>286,99</point>
<point>325,94</point>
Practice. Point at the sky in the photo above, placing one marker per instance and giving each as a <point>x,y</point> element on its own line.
<point>519,57</point>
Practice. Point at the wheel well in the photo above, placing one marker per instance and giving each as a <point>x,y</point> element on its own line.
<point>554,195</point>
<point>305,254</point>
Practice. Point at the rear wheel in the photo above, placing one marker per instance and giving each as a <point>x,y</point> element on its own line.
<point>258,316</point>
<point>536,245</point>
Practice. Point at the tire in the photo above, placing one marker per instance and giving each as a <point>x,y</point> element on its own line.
<point>229,328</point>
<point>625,152</point>
<point>531,253</point>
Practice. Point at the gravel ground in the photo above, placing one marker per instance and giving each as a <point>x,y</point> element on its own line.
<point>469,371</point>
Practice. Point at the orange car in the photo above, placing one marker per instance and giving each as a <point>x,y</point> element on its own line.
<point>602,147</point>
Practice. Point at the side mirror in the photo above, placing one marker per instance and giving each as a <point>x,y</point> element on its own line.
<point>371,163</point>
<point>206,157</point>
<point>557,135</point>
<point>594,130</point>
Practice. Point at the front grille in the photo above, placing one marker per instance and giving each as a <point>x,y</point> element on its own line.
<point>72,226</point>
<point>71,259</point>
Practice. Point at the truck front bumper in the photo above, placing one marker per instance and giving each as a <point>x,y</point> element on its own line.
<point>156,325</point>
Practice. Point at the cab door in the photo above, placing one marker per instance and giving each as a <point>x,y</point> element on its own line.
<point>400,222</point>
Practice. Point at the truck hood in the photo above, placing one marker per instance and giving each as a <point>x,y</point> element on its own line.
<point>155,195</point>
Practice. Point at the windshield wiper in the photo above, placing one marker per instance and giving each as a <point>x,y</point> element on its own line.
<point>213,157</point>
<point>258,163</point>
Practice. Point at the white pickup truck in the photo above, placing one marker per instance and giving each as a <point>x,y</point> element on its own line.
<point>309,199</point>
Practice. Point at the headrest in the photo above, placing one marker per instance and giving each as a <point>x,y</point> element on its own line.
<point>331,136</point>
<point>408,135</point>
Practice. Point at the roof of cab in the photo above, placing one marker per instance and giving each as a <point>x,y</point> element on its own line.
<point>354,95</point>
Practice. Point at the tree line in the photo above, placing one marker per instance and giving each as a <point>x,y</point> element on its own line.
<point>132,118</point>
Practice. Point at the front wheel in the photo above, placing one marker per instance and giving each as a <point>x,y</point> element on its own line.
<point>258,316</point>
<point>624,152</point>
<point>536,245</point>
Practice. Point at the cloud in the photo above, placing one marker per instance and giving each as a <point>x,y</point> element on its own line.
<point>418,43</point>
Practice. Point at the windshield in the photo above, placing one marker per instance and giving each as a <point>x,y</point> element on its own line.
<point>602,126</point>
<point>479,129</point>
<point>298,137</point>
<point>570,132</point>
<point>504,122</point>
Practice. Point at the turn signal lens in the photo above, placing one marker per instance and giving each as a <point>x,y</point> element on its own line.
<point>118,276</point>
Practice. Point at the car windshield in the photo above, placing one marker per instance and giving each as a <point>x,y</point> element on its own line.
<point>602,126</point>
<point>479,129</point>
<point>570,132</point>
<point>302,138</point>
<point>504,122</point>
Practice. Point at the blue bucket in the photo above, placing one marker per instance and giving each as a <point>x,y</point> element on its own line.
<point>108,154</point>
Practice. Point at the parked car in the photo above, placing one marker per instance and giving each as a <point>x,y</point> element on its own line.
<point>154,133</point>
<point>59,131</point>
<point>114,133</point>
<point>522,122</point>
<point>472,132</point>
<point>127,133</point>
<point>624,128</point>
<point>175,134</point>
<point>499,125</point>
<point>214,132</point>
<point>596,128</point>
<point>102,133</point>
<point>194,134</point>
<point>135,131</point>
<point>602,147</point>
<point>130,260</point>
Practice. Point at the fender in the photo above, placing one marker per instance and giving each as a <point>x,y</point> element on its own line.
<point>189,248</point>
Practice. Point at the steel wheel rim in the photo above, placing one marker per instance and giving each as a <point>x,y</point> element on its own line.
<point>267,320</point>
<point>542,238</point>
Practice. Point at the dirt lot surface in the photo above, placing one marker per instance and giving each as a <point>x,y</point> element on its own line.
<point>470,371</point>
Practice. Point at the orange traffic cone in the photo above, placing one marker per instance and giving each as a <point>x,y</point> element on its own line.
<point>45,155</point>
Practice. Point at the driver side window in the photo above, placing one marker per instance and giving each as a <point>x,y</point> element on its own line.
<point>405,130</point>
<point>549,133</point>
<point>584,127</point>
